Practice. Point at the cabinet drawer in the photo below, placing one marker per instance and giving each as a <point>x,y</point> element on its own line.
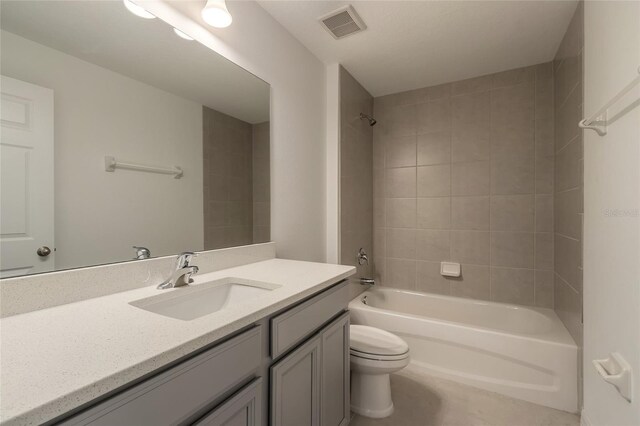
<point>294,325</point>
<point>184,391</point>
<point>243,409</point>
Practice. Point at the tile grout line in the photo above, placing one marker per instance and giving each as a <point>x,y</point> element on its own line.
<point>491,290</point>
<point>415,139</point>
<point>553,187</point>
<point>535,184</point>
<point>451,185</point>
<point>565,282</point>
<point>567,237</point>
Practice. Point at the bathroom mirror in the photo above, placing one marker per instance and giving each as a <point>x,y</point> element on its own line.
<point>118,131</point>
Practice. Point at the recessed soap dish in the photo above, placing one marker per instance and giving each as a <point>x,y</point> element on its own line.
<point>450,269</point>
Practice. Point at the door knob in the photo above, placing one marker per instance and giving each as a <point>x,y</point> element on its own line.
<point>43,251</point>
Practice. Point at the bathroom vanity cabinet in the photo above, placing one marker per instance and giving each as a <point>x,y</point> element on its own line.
<point>289,369</point>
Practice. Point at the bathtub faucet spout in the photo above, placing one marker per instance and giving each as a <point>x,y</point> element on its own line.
<point>367,281</point>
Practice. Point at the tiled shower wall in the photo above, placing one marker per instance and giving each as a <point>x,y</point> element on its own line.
<point>356,176</point>
<point>568,197</point>
<point>231,176</point>
<point>464,172</point>
<point>261,184</point>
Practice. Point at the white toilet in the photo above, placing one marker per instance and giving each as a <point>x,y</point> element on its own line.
<point>375,354</point>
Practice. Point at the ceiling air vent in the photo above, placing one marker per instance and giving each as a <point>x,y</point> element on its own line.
<point>343,22</point>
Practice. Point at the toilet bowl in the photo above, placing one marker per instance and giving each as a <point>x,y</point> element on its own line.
<point>375,354</point>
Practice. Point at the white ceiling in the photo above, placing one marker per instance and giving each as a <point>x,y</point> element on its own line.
<point>106,34</point>
<point>413,44</point>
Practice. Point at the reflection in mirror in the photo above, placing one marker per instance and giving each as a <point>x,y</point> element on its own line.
<point>121,140</point>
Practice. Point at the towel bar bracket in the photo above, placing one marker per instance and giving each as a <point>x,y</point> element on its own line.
<point>599,124</point>
<point>598,121</point>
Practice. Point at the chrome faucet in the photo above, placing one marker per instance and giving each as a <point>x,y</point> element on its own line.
<point>183,272</point>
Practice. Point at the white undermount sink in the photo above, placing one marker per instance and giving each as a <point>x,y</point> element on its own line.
<point>191,302</point>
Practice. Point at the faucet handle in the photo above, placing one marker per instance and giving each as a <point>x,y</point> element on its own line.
<point>184,258</point>
<point>142,252</point>
<point>362,257</point>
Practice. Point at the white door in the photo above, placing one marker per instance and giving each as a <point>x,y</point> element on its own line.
<point>26,178</point>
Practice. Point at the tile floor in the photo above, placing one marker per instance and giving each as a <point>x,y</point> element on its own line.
<point>428,401</point>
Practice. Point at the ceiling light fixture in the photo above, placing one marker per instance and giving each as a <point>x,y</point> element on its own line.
<point>181,34</point>
<point>137,10</point>
<point>216,14</point>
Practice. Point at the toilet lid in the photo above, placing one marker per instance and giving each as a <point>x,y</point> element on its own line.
<point>371,340</point>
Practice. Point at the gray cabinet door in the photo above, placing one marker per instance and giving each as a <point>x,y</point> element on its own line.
<point>295,387</point>
<point>243,409</point>
<point>334,395</point>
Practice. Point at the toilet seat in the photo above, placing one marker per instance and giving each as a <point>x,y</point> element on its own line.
<point>373,343</point>
<point>378,357</point>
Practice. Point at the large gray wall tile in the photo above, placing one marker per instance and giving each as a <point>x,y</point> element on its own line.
<point>401,273</point>
<point>434,148</point>
<point>472,178</point>
<point>544,251</point>
<point>512,285</point>
<point>401,212</point>
<point>544,213</point>
<point>433,244</point>
<point>434,213</point>
<point>400,183</point>
<point>429,279</point>
<point>512,249</point>
<point>544,289</point>
<point>471,127</point>
<point>474,283</point>
<point>470,213</point>
<point>470,247</point>
<point>434,181</point>
<point>434,116</point>
<point>400,152</point>
<point>513,213</point>
<point>401,243</point>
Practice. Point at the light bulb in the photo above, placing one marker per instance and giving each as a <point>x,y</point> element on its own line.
<point>137,10</point>
<point>181,34</point>
<point>215,13</point>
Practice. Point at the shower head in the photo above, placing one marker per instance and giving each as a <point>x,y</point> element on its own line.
<point>372,121</point>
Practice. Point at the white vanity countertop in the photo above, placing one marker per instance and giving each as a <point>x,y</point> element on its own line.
<point>56,359</point>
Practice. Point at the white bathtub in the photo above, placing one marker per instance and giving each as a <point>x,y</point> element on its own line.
<point>517,351</point>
